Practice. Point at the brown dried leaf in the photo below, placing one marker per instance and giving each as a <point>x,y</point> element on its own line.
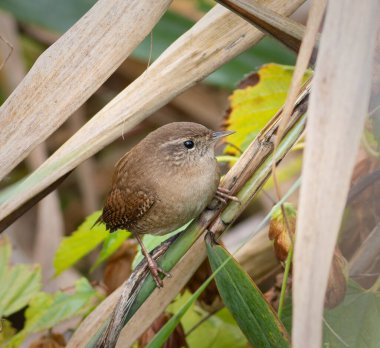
<point>119,266</point>
<point>52,340</point>
<point>176,339</point>
<point>209,299</point>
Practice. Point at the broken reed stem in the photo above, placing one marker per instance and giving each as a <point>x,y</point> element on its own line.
<point>282,28</point>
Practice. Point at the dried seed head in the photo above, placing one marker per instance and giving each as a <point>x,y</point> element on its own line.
<point>282,245</point>
<point>278,231</point>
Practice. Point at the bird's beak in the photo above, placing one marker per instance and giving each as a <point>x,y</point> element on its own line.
<point>218,135</point>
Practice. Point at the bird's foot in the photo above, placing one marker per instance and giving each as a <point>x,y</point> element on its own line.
<point>155,271</point>
<point>210,237</point>
<point>153,266</point>
<point>223,195</point>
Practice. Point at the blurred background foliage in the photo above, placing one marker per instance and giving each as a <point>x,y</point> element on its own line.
<point>219,101</point>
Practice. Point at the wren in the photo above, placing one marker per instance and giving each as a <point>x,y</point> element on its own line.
<point>163,182</point>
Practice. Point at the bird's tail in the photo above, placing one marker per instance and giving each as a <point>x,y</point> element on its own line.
<point>98,221</point>
<point>104,219</point>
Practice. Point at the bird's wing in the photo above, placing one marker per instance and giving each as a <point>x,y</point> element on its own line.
<point>124,207</point>
<point>120,165</point>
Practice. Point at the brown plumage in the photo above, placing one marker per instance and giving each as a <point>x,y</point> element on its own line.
<point>163,182</point>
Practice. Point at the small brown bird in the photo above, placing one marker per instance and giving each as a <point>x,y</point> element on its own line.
<point>163,182</point>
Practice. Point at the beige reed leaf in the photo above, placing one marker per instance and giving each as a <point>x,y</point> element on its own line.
<point>70,71</point>
<point>338,106</point>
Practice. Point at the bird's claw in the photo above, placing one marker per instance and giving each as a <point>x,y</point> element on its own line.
<point>155,271</point>
<point>210,237</point>
<point>223,195</point>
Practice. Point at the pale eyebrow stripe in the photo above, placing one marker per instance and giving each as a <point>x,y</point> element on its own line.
<point>173,142</point>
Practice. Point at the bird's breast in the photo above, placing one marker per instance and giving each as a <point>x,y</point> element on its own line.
<point>182,196</point>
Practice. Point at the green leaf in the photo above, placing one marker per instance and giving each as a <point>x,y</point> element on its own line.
<point>6,331</point>
<point>247,304</point>
<point>47,310</point>
<point>86,238</point>
<point>112,242</point>
<point>18,283</point>
<point>5,256</point>
<point>355,322</point>
<point>256,101</point>
<point>218,331</point>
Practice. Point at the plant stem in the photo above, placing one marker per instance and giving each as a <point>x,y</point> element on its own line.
<point>285,281</point>
<point>227,158</point>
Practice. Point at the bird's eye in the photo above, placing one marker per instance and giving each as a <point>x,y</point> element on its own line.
<point>189,144</point>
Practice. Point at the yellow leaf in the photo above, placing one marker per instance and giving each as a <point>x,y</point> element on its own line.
<point>256,100</point>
